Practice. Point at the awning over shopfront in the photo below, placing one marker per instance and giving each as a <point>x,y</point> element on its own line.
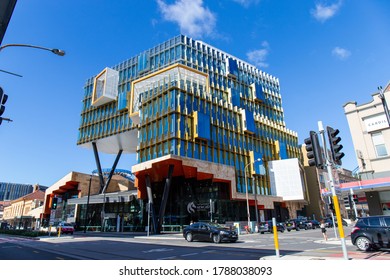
<point>125,196</point>
<point>360,186</point>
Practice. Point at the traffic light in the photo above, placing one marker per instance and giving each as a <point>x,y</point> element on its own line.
<point>313,149</point>
<point>335,147</point>
<point>355,199</point>
<point>54,203</point>
<point>3,100</point>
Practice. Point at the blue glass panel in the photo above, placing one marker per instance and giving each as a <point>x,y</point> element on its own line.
<point>189,150</point>
<point>143,62</point>
<point>283,150</point>
<point>235,97</point>
<point>259,92</point>
<point>203,126</point>
<point>250,122</point>
<point>182,148</point>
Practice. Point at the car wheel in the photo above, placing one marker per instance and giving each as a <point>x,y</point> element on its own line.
<point>262,232</point>
<point>362,243</point>
<point>216,238</point>
<point>282,231</point>
<point>189,237</point>
<point>289,230</point>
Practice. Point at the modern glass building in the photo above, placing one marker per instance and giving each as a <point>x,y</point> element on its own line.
<point>12,191</point>
<point>203,123</point>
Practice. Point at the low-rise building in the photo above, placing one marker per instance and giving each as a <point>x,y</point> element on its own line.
<point>18,213</point>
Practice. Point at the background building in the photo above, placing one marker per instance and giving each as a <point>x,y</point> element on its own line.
<point>19,212</point>
<point>369,127</point>
<point>319,190</point>
<point>75,199</point>
<point>12,191</point>
<point>203,124</point>
<point>370,135</point>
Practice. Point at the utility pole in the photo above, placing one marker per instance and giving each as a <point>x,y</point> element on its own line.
<point>334,195</point>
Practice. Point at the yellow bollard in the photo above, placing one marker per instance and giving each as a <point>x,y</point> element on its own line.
<point>276,241</point>
<point>59,231</point>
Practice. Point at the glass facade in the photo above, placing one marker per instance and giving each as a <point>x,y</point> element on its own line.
<point>11,191</point>
<point>189,99</point>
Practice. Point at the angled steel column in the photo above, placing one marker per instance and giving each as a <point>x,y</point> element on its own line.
<point>150,199</point>
<point>164,199</point>
<point>112,171</point>
<point>95,152</point>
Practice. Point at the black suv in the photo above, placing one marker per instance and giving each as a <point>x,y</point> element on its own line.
<point>298,224</point>
<point>371,233</point>
<point>267,226</point>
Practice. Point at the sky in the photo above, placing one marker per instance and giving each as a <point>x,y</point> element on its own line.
<point>324,53</point>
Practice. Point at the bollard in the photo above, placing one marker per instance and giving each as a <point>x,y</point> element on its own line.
<point>276,241</point>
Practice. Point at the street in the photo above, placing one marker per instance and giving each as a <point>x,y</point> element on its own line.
<point>126,246</point>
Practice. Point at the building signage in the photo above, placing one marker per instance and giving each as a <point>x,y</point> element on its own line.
<point>376,123</point>
<point>192,207</point>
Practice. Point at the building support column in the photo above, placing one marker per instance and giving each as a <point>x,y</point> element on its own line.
<point>99,167</point>
<point>112,171</point>
<point>150,201</point>
<point>164,199</point>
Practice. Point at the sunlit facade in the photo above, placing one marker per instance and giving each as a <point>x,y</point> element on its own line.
<point>197,119</point>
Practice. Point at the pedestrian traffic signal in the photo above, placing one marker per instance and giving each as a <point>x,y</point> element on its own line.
<point>54,203</point>
<point>335,147</point>
<point>3,100</point>
<point>355,199</point>
<point>313,149</point>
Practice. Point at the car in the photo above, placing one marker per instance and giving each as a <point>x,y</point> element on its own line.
<point>344,222</point>
<point>329,222</point>
<point>315,224</point>
<point>202,231</point>
<point>66,228</point>
<point>267,226</point>
<point>297,224</point>
<point>371,233</point>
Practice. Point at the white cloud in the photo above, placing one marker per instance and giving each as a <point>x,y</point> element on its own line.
<point>341,53</point>
<point>193,18</point>
<point>258,57</point>
<point>247,3</point>
<point>323,12</point>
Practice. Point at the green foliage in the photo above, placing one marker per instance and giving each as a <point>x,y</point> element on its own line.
<point>26,233</point>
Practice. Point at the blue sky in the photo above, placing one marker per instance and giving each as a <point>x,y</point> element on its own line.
<point>325,54</point>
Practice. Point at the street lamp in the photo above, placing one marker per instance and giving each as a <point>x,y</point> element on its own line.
<point>55,51</point>
<point>247,195</point>
<point>386,109</point>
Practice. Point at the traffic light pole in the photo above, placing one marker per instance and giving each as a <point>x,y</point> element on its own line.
<point>334,195</point>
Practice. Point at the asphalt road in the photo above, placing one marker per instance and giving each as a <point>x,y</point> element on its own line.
<point>125,246</point>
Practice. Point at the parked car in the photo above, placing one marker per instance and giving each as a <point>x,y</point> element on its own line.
<point>329,222</point>
<point>315,224</point>
<point>267,226</point>
<point>371,232</point>
<point>209,232</point>
<point>344,222</point>
<point>297,224</point>
<point>66,228</point>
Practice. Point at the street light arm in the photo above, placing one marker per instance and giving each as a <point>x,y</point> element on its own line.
<point>55,51</point>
